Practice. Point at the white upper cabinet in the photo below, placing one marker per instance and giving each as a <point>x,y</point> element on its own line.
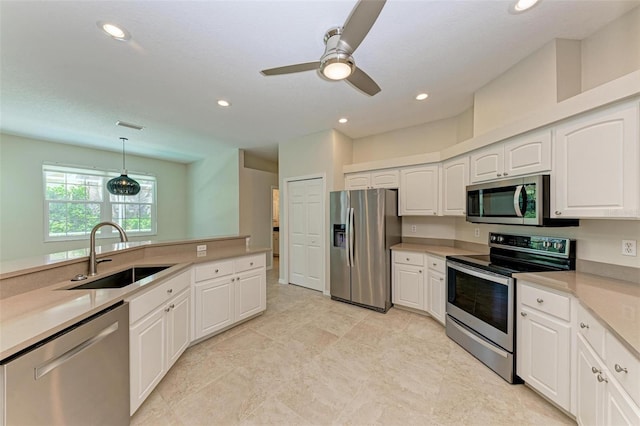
<point>522,155</point>
<point>596,165</point>
<point>455,178</point>
<point>387,178</point>
<point>419,191</point>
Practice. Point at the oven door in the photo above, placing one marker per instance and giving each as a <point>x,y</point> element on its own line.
<point>483,301</point>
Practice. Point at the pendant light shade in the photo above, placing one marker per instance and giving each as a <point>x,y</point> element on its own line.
<point>123,185</point>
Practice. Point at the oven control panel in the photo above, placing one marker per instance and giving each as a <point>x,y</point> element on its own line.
<point>562,247</point>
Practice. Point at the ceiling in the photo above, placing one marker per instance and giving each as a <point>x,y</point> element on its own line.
<point>64,80</point>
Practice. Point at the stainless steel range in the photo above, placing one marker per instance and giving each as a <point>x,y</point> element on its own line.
<point>481,294</point>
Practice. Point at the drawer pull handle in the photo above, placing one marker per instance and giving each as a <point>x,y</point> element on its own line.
<point>233,280</point>
<point>217,270</point>
<point>619,369</point>
<point>170,291</point>
<point>251,263</point>
<point>595,370</point>
<point>539,300</point>
<point>441,279</point>
<point>499,174</point>
<point>407,259</point>
<point>167,309</point>
<point>172,306</point>
<point>435,264</point>
<point>602,379</point>
<point>420,270</point>
<point>583,325</point>
<point>558,212</point>
<point>506,174</point>
<point>524,314</point>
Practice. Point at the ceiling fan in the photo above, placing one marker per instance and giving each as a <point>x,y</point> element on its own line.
<point>337,63</point>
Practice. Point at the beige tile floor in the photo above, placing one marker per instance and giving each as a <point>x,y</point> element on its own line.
<point>310,360</point>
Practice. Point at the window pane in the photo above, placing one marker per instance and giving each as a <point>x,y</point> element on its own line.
<point>69,219</point>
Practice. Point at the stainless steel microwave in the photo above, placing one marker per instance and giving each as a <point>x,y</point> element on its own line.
<point>519,201</point>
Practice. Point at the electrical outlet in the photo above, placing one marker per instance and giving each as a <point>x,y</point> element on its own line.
<point>476,232</point>
<point>629,247</point>
<point>201,254</point>
<point>202,247</point>
<point>414,228</point>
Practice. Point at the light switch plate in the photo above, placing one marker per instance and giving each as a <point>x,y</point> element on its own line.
<point>629,247</point>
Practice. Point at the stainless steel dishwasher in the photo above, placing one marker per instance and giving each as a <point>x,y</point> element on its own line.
<point>80,376</point>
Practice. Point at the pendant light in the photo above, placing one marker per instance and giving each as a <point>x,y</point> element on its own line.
<point>123,185</point>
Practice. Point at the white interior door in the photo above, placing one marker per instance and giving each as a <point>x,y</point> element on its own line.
<point>306,231</point>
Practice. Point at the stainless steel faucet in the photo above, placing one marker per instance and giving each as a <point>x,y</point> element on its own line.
<point>93,262</point>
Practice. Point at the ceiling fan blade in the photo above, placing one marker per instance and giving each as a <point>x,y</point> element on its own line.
<point>308,66</point>
<point>358,24</point>
<point>361,81</point>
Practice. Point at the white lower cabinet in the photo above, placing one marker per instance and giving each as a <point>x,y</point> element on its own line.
<point>419,283</point>
<point>159,323</point>
<point>600,398</point>
<point>408,280</point>
<point>543,343</point>
<point>226,292</point>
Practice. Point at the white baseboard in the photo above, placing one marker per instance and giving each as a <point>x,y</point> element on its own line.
<point>281,281</point>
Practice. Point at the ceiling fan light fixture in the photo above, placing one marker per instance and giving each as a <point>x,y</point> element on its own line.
<point>337,66</point>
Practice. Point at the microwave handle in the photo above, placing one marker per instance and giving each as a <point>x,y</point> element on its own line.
<point>516,200</point>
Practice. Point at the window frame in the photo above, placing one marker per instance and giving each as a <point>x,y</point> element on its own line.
<point>106,205</point>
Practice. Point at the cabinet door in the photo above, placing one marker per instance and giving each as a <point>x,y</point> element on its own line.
<point>357,181</point>
<point>435,302</point>
<point>528,154</point>
<point>596,165</point>
<point>487,163</point>
<point>408,286</point>
<point>178,320</point>
<point>250,294</point>
<point>619,409</point>
<point>213,301</point>
<point>455,178</point>
<point>419,191</point>
<point>147,356</point>
<point>544,351</point>
<point>590,392</point>
<point>385,179</point>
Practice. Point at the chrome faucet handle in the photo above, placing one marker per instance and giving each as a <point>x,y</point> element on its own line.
<point>103,260</point>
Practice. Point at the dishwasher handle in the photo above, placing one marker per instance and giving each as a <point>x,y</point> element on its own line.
<point>58,361</point>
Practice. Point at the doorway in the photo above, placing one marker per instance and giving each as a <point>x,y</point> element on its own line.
<point>275,221</point>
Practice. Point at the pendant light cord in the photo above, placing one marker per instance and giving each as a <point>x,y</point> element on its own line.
<point>123,165</point>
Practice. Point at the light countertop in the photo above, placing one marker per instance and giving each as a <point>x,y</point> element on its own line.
<point>30,317</point>
<point>616,303</point>
<point>443,251</point>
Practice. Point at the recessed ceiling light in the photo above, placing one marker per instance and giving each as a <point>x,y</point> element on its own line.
<point>115,31</point>
<point>342,120</point>
<point>422,96</point>
<point>523,5</point>
<point>224,103</point>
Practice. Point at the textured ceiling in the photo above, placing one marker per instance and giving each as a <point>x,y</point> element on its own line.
<point>64,80</point>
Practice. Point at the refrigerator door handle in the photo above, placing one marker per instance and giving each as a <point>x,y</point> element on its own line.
<point>351,215</point>
<point>348,236</point>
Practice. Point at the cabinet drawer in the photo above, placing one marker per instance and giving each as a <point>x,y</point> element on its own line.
<point>250,262</point>
<point>591,330</point>
<point>618,359</point>
<point>408,258</point>
<point>436,263</point>
<point>160,293</point>
<point>558,305</point>
<point>213,270</point>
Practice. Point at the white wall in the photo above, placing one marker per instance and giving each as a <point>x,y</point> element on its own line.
<point>612,51</point>
<point>213,198</point>
<point>598,240</point>
<point>421,139</point>
<point>320,153</point>
<point>255,205</point>
<point>21,193</point>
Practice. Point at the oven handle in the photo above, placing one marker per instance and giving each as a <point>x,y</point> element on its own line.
<point>470,270</point>
<point>480,340</point>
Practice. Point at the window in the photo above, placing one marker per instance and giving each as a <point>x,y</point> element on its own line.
<point>77,199</point>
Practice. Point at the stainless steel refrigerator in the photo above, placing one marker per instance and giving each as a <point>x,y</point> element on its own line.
<point>364,226</point>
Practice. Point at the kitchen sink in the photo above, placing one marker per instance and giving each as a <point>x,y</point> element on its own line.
<point>122,278</point>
